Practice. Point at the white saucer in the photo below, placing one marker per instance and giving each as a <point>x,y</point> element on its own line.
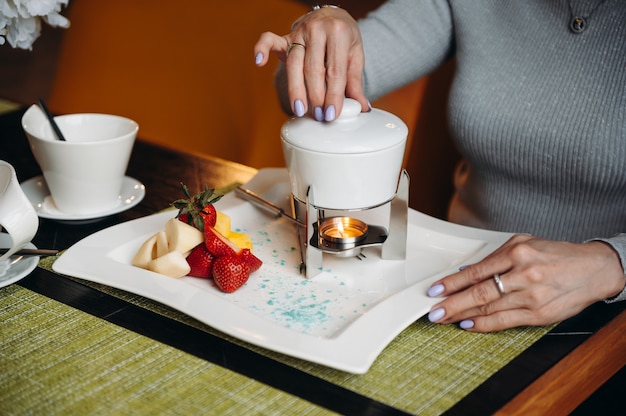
<point>18,270</point>
<point>38,194</point>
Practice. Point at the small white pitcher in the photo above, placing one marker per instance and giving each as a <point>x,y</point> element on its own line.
<point>17,215</point>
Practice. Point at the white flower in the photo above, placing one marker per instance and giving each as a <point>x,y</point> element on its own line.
<point>20,20</point>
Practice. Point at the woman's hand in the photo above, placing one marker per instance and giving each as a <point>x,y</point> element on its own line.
<point>324,62</point>
<point>543,281</point>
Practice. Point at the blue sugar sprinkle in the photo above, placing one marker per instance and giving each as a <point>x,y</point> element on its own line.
<point>266,235</point>
<point>306,315</point>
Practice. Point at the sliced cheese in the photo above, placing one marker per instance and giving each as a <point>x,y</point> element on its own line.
<point>222,223</point>
<point>182,237</point>
<point>162,245</point>
<point>172,264</point>
<point>146,253</point>
<point>241,240</point>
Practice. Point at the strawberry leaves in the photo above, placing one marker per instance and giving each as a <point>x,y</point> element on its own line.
<point>197,210</point>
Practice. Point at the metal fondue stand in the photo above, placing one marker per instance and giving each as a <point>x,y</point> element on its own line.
<point>323,234</point>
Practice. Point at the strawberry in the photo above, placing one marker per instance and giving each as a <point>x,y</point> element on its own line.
<point>197,210</point>
<point>217,244</point>
<point>230,273</point>
<point>254,263</point>
<point>201,262</point>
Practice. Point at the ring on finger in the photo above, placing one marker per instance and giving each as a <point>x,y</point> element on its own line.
<point>499,285</point>
<point>293,45</point>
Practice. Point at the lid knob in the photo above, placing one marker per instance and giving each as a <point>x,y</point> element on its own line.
<point>351,109</point>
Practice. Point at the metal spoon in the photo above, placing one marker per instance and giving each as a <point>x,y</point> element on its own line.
<point>266,205</point>
<point>31,252</point>
<point>54,124</point>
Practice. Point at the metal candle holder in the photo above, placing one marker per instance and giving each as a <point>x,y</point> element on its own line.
<point>345,236</point>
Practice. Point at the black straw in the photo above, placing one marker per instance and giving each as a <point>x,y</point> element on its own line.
<point>55,127</point>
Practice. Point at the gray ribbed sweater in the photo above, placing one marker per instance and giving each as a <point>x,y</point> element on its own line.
<point>538,112</point>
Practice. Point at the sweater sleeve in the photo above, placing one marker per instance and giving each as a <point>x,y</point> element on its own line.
<point>403,41</point>
<point>619,245</point>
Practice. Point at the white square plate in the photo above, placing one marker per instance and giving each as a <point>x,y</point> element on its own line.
<point>341,318</point>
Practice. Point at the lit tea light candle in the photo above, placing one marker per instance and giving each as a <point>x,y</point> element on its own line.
<point>343,230</point>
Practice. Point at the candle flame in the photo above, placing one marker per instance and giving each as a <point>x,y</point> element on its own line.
<point>340,229</point>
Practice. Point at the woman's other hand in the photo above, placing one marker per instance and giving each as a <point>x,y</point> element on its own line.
<point>324,60</point>
<point>542,282</point>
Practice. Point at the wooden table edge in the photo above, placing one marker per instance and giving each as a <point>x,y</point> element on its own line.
<point>566,385</point>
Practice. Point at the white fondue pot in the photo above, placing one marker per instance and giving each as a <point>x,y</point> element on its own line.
<point>353,162</point>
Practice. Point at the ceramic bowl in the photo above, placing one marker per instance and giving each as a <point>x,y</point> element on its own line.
<point>353,162</point>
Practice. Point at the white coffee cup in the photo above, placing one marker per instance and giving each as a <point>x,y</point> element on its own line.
<point>85,172</point>
<point>17,215</point>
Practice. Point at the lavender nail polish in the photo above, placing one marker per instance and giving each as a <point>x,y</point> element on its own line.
<point>318,113</point>
<point>436,290</point>
<point>467,324</point>
<point>299,108</point>
<point>258,58</point>
<point>436,314</point>
<point>330,113</point>
<point>463,267</point>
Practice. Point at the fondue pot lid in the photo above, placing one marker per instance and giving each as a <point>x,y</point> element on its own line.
<point>352,132</point>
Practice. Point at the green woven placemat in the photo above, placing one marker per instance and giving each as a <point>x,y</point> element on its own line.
<point>426,370</point>
<point>57,360</point>
<point>7,106</point>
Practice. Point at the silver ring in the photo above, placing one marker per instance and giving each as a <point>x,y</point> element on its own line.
<point>293,45</point>
<point>499,285</point>
<point>321,6</point>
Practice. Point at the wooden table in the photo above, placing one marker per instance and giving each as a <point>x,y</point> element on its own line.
<point>558,372</point>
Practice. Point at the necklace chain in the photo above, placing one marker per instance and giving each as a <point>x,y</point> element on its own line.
<point>578,23</point>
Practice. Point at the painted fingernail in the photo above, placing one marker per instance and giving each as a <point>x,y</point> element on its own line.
<point>436,290</point>
<point>318,113</point>
<point>436,314</point>
<point>258,58</point>
<point>467,324</point>
<point>463,267</point>
<point>299,108</point>
<point>369,105</point>
<point>330,113</point>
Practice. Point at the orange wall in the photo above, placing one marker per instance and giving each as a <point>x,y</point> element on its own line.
<point>184,70</point>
